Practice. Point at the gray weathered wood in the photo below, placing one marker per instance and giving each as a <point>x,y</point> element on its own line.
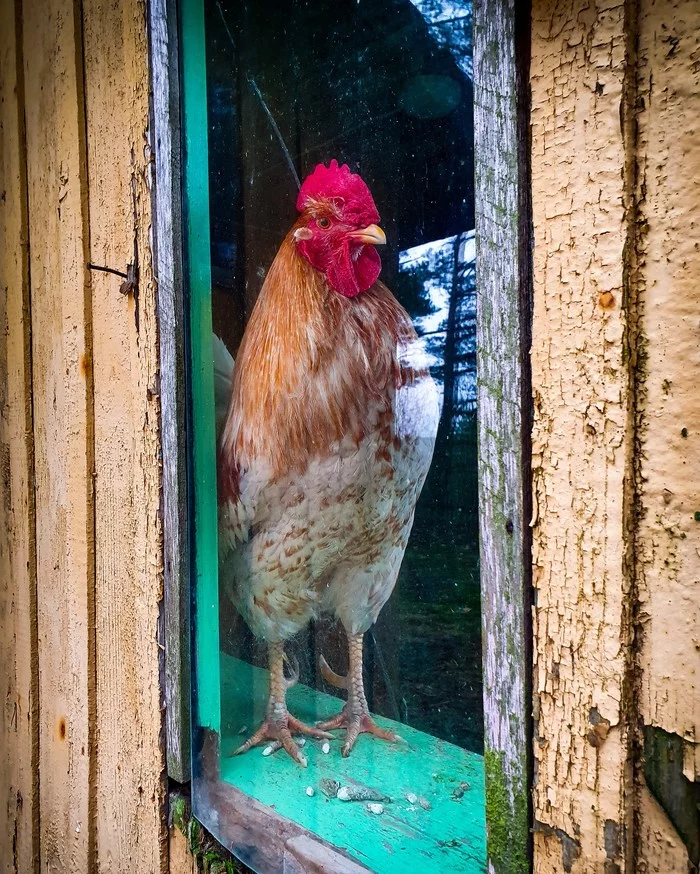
<point>168,255</point>
<point>502,231</point>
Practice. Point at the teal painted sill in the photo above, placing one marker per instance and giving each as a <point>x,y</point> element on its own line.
<point>448,836</point>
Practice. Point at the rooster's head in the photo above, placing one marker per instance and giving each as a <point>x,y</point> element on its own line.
<point>337,229</point>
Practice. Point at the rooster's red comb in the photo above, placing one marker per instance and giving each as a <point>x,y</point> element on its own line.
<point>339,183</point>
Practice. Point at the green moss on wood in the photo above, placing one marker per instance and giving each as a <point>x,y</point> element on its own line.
<point>507,825</point>
<point>209,856</point>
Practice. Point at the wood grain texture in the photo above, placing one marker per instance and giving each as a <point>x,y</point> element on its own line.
<point>19,728</point>
<point>502,333</point>
<point>168,254</point>
<point>61,353</point>
<point>181,860</point>
<point>129,766</point>
<point>582,435</point>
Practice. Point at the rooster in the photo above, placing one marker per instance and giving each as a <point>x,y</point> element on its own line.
<point>324,448</point>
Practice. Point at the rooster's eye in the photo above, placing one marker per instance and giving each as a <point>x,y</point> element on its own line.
<point>324,223</point>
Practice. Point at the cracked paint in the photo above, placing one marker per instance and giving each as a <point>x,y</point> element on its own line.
<point>581,438</point>
<point>668,414</point>
<point>616,438</point>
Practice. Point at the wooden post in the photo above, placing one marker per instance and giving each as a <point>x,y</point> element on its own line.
<point>167,238</point>
<point>503,290</point>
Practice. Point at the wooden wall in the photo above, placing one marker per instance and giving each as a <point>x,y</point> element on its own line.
<point>81,770</point>
<point>616,453</point>
<point>615,364</point>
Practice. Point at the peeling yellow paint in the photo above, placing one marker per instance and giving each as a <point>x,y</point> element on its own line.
<point>660,849</point>
<point>581,438</point>
<point>616,439</point>
<point>668,451</point>
<point>669,464</point>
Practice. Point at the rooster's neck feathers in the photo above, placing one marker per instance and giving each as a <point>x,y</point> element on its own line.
<point>314,368</point>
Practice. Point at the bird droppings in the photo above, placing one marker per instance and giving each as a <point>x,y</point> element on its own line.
<point>460,790</point>
<point>310,791</point>
<point>411,797</point>
<point>301,742</point>
<point>425,804</point>
<point>451,845</point>
<point>375,807</point>
<point>326,748</point>
<point>329,787</point>
<point>360,793</point>
<point>243,729</point>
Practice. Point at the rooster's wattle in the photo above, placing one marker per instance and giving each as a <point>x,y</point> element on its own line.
<point>325,446</point>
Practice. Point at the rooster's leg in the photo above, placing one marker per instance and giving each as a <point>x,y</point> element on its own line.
<point>279,724</point>
<point>355,716</point>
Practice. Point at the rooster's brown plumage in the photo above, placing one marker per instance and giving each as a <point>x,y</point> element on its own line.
<point>327,441</point>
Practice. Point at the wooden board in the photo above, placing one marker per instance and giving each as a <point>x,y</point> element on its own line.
<point>19,785</point>
<point>503,314</point>
<point>449,836</point>
<point>129,764</point>
<point>167,237</point>
<point>582,158</point>
<point>667,454</point>
<point>61,376</point>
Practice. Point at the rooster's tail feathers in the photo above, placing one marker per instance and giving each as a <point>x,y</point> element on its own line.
<point>223,377</point>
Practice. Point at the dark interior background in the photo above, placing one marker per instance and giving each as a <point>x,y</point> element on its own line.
<point>384,87</point>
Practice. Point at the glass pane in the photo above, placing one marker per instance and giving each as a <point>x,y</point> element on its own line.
<point>334,466</point>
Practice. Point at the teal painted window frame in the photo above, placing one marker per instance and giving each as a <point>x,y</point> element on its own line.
<point>501,58</point>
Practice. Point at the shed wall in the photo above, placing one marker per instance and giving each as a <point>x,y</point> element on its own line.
<point>616,364</point>
<point>616,465</point>
<point>81,773</point>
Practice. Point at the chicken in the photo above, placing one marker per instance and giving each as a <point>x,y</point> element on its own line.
<point>325,446</point>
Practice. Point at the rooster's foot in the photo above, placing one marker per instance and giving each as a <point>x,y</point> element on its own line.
<point>357,723</point>
<point>278,729</point>
<point>355,716</point>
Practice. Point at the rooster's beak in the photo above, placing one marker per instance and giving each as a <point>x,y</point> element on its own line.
<point>372,234</point>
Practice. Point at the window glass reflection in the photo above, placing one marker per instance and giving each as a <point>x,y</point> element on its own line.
<point>384,88</point>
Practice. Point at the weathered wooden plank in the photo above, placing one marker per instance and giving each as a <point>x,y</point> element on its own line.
<point>168,254</point>
<point>667,468</point>
<point>128,583</point>
<point>19,731</point>
<point>502,232</point>
<point>182,860</point>
<point>582,435</point>
<point>61,368</point>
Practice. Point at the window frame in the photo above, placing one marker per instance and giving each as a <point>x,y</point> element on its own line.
<point>504,414</point>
